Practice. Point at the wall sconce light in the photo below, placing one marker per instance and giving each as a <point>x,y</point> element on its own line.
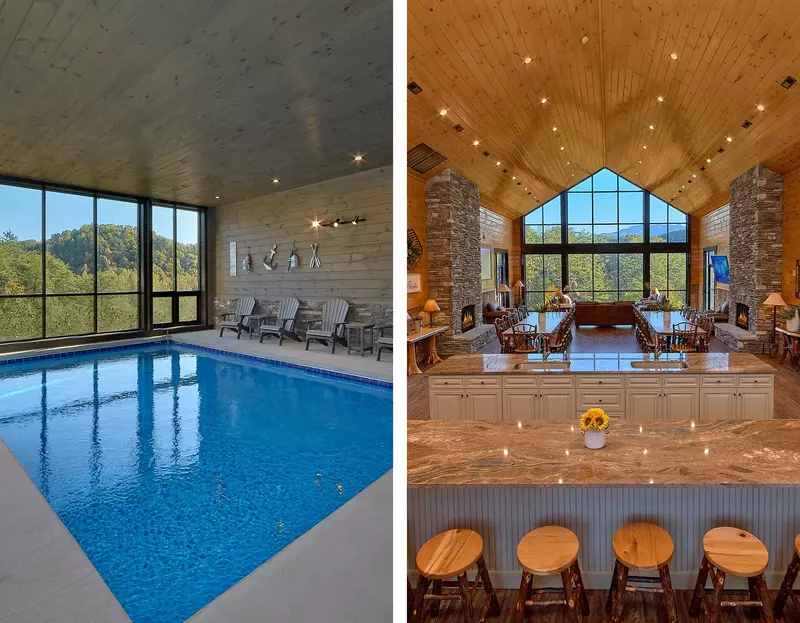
<point>336,223</point>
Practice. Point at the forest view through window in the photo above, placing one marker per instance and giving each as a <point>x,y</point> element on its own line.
<point>608,240</point>
<point>71,263</point>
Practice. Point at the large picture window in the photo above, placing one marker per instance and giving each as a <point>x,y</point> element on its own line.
<point>71,263</point>
<point>611,240</point>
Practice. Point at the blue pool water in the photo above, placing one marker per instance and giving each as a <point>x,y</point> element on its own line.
<point>179,472</point>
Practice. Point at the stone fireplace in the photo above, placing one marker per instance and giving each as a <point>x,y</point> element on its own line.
<point>454,261</point>
<point>467,318</point>
<point>755,256</point>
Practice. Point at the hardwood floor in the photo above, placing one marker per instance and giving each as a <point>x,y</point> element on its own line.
<point>622,339</point>
<point>639,608</point>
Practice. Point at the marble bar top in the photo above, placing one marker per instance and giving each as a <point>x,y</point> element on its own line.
<point>550,453</point>
<point>698,363</point>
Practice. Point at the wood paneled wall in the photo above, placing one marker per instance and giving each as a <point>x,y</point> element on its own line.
<point>417,221</point>
<point>498,232</point>
<point>713,230</point>
<point>791,236</point>
<point>356,259</point>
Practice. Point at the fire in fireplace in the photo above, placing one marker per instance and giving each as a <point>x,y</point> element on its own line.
<point>467,318</point>
<point>742,316</point>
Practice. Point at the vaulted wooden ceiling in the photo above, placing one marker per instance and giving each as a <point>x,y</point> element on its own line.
<point>191,99</point>
<point>602,65</point>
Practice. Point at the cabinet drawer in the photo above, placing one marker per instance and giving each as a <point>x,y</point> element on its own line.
<point>483,381</point>
<point>755,380</point>
<point>600,380</point>
<point>447,381</point>
<point>520,381</point>
<point>718,380</point>
<point>644,380</point>
<point>557,380</point>
<point>681,380</point>
<point>604,399</point>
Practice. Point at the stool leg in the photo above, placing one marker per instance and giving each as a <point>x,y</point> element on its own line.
<point>619,597</point>
<point>716,605</point>
<point>786,587</point>
<point>437,590</point>
<point>766,605</point>
<point>494,605</point>
<point>580,589</point>
<point>569,595</point>
<point>669,596</point>
<point>466,598</point>
<point>699,589</point>
<point>523,593</point>
<point>409,600</point>
<point>752,587</point>
<point>612,589</point>
<point>418,611</point>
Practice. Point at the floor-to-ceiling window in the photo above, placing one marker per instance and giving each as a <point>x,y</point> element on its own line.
<point>71,263</point>
<point>608,240</point>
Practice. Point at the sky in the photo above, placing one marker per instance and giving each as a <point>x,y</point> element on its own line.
<point>21,212</point>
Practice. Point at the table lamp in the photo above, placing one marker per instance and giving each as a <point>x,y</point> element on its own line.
<point>504,289</point>
<point>521,287</point>
<point>430,307</point>
<point>776,300</point>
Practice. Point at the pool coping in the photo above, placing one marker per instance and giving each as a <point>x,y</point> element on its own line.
<point>63,352</point>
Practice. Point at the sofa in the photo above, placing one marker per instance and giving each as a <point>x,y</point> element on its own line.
<point>604,314</point>
<point>493,311</point>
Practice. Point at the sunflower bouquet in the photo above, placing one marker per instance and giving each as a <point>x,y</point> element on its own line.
<point>594,420</point>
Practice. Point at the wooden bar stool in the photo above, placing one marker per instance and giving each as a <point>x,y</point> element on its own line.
<point>641,547</point>
<point>451,554</point>
<point>551,550</point>
<point>731,551</point>
<point>788,582</point>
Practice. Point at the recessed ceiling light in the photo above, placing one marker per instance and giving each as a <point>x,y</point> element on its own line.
<point>585,39</point>
<point>567,161</point>
<point>555,128</point>
<point>640,162</point>
<point>498,163</point>
<point>443,112</point>
<point>276,180</point>
<point>526,188</point>
<point>358,157</point>
<point>673,56</point>
<point>573,175</point>
<point>729,139</point>
<point>683,186</point>
<point>644,146</point>
<point>708,159</point>
<point>694,175</point>
<point>544,100</point>
<point>476,142</point>
<point>513,177</point>
<point>562,148</point>
<point>527,60</point>
<point>652,127</point>
<point>216,196</point>
<point>760,107</point>
<point>660,99</point>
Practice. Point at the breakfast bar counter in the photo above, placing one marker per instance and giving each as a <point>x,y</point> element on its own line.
<point>504,479</point>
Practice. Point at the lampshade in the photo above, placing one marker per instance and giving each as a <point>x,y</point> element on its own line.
<point>519,284</point>
<point>654,290</point>
<point>559,292</point>
<point>408,316</point>
<point>775,299</point>
<point>431,306</point>
<point>504,288</point>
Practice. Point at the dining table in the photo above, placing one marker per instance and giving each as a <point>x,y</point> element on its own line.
<point>545,322</point>
<point>662,323</point>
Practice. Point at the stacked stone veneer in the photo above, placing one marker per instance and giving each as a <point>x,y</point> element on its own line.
<point>454,256</point>
<point>756,251</point>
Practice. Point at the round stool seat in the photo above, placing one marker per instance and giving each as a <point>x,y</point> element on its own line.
<point>736,551</point>
<point>449,553</point>
<point>642,546</point>
<point>547,550</point>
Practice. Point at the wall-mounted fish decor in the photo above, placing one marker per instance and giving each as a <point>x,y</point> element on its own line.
<point>269,260</point>
<point>314,263</point>
<point>293,260</point>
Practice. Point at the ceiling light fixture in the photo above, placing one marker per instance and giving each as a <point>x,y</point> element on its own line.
<point>555,128</point>
<point>660,99</point>
<point>216,196</point>
<point>358,158</point>
<point>476,142</point>
<point>694,175</point>
<point>652,127</point>
<point>562,148</point>
<point>498,163</point>
<point>585,39</point>
<point>640,162</point>
<point>276,180</point>
<point>708,159</point>
<point>443,112</point>
<point>527,60</point>
<point>567,161</point>
<point>336,223</point>
<point>673,56</point>
<point>544,100</point>
<point>513,177</point>
<point>729,139</point>
<point>644,146</point>
<point>760,108</point>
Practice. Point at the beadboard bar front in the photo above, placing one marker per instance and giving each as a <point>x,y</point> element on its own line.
<point>503,515</point>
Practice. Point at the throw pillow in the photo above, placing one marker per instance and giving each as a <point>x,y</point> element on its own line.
<point>491,306</point>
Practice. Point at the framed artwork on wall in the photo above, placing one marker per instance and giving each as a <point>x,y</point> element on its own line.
<point>797,279</point>
<point>413,283</point>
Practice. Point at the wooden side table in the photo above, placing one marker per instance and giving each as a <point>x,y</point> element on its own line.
<point>428,335</point>
<point>361,330</point>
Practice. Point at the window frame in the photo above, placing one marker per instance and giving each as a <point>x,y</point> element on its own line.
<point>645,248</point>
<point>144,267</point>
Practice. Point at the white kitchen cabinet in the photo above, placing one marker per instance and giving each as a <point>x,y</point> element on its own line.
<point>538,404</point>
<point>448,404</point>
<point>484,404</point>
<point>755,404</point>
<point>519,405</point>
<point>643,404</point>
<point>680,404</point>
<point>718,403</point>
<point>556,404</point>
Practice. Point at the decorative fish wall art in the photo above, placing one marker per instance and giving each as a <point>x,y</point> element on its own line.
<point>293,260</point>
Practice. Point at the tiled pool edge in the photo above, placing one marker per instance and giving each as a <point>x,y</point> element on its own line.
<point>78,350</point>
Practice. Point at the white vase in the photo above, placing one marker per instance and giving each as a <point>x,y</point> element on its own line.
<point>594,439</point>
<point>793,324</point>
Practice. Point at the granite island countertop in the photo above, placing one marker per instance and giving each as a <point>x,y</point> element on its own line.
<point>549,453</point>
<point>581,363</point>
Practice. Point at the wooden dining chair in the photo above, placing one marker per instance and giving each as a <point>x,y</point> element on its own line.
<point>500,325</point>
<point>524,338</point>
<point>683,338</point>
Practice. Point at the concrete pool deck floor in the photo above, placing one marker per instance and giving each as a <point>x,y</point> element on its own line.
<point>45,577</point>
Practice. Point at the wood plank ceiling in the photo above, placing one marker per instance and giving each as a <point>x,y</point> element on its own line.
<point>601,65</point>
<point>191,99</point>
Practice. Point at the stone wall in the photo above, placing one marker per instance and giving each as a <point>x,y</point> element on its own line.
<point>453,243</point>
<point>756,250</point>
